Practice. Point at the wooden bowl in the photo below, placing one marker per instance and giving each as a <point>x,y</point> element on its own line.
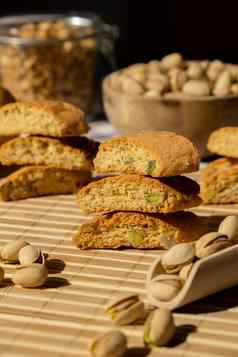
<point>193,117</point>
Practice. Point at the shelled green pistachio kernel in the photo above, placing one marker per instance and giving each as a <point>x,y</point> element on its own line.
<point>159,328</point>
<point>32,276</point>
<point>126,310</point>
<point>9,252</point>
<point>178,256</point>
<point>229,227</point>
<point>111,344</point>
<point>151,166</point>
<point>165,287</point>
<point>135,237</point>
<point>30,254</point>
<point>211,243</point>
<point>155,198</point>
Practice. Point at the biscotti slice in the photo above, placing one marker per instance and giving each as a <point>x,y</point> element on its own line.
<point>34,181</point>
<point>151,153</point>
<point>35,150</point>
<point>219,181</point>
<point>224,142</point>
<point>139,193</point>
<point>48,118</point>
<point>139,230</point>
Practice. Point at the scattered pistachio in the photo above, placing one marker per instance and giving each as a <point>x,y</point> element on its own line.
<point>178,256</point>
<point>111,344</point>
<point>126,310</point>
<point>155,198</point>
<point>229,226</point>
<point>165,287</point>
<point>9,253</point>
<point>159,327</point>
<point>151,166</point>
<point>185,271</point>
<point>31,276</point>
<point>30,254</point>
<point>135,237</point>
<point>211,243</point>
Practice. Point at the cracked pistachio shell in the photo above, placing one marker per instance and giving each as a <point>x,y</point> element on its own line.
<point>211,243</point>
<point>177,256</point>
<point>165,287</point>
<point>111,344</point>
<point>9,252</point>
<point>29,254</point>
<point>229,227</point>
<point>31,276</point>
<point>126,310</point>
<point>159,328</point>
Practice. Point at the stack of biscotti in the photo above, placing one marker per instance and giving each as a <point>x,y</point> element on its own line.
<point>219,180</point>
<point>143,203</point>
<point>43,139</point>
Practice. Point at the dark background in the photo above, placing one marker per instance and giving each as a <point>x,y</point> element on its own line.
<point>150,29</point>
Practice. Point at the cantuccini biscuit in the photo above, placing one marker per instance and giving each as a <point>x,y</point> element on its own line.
<point>35,150</point>
<point>219,181</point>
<point>139,193</point>
<point>139,230</point>
<point>224,142</point>
<point>34,181</point>
<point>151,153</point>
<point>48,118</point>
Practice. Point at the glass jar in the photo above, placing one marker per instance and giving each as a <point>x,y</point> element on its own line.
<point>53,56</point>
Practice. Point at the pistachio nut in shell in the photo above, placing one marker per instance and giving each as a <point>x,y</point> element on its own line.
<point>211,243</point>
<point>177,256</point>
<point>185,271</point>
<point>171,60</point>
<point>126,310</point>
<point>111,344</point>
<point>159,328</point>
<point>9,252</point>
<point>31,276</point>
<point>229,226</point>
<point>165,287</point>
<point>30,254</point>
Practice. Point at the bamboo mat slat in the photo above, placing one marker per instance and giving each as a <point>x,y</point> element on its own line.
<point>62,318</point>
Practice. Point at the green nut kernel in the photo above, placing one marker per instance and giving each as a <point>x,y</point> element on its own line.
<point>151,166</point>
<point>156,198</point>
<point>135,238</point>
<point>129,160</point>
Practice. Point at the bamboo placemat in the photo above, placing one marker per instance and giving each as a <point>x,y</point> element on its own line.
<point>62,318</point>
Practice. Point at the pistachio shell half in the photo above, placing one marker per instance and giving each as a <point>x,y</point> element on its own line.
<point>229,227</point>
<point>31,276</point>
<point>9,252</point>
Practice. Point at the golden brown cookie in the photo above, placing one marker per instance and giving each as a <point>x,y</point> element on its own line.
<point>139,193</point>
<point>34,181</point>
<point>36,150</point>
<point>154,153</point>
<point>49,118</point>
<point>139,230</point>
<point>219,181</point>
<point>224,142</point>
